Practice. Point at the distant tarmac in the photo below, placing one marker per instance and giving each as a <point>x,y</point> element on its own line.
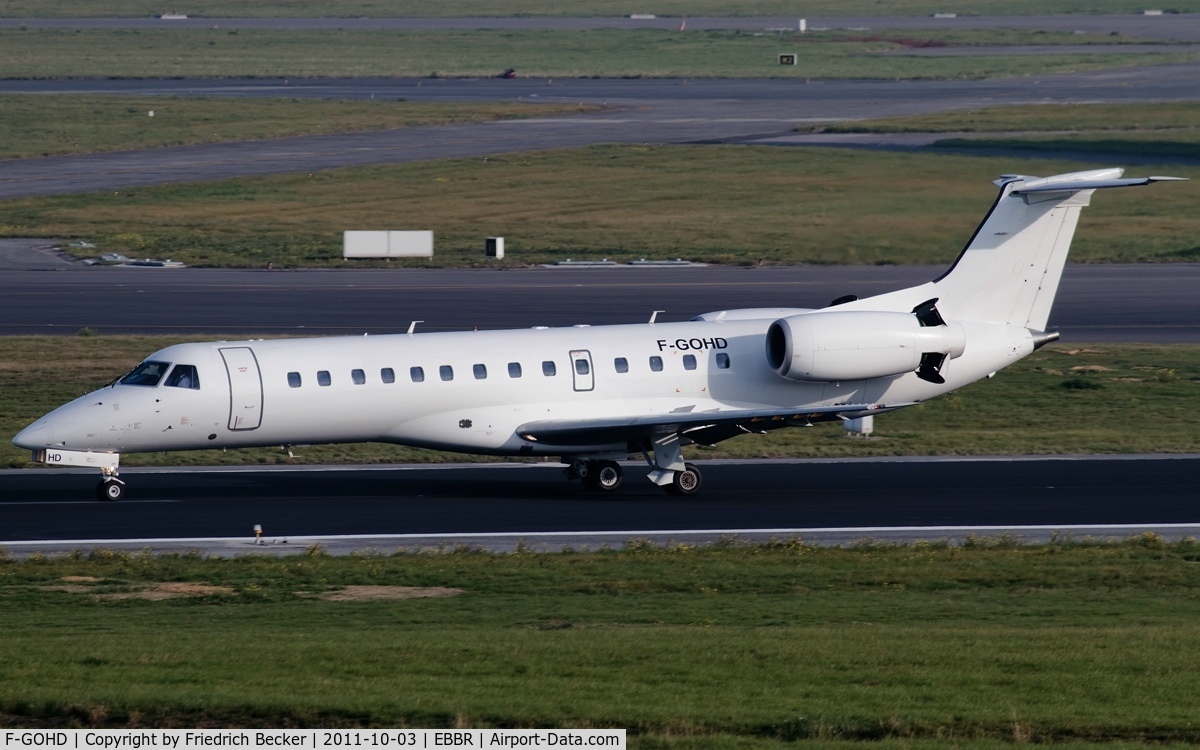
<point>1173,26</point>
<point>1096,302</point>
<point>756,111</point>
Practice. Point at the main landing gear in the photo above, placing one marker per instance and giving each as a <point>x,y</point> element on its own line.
<point>111,488</point>
<point>599,476</point>
<point>685,482</point>
<point>663,455</point>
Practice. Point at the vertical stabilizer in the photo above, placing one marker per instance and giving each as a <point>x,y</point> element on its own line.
<point>1010,270</point>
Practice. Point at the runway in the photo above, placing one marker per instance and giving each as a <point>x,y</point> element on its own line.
<point>492,504</point>
<point>1149,303</point>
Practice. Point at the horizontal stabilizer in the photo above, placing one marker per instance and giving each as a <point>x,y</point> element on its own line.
<point>1049,184</point>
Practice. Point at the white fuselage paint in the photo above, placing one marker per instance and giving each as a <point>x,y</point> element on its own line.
<point>468,413</point>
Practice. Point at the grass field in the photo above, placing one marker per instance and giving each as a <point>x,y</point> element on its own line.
<point>138,53</point>
<point>923,646</point>
<point>720,204</point>
<point>566,8</point>
<point>1111,398</point>
<point>40,125</point>
<point>1165,130</point>
<point>1176,118</point>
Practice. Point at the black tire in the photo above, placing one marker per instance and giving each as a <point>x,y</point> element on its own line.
<point>686,482</point>
<point>607,475</point>
<point>110,490</point>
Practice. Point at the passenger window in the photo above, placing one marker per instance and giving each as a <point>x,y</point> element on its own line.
<point>548,369</point>
<point>184,376</point>
<point>514,369</point>
<point>387,375</point>
<point>358,376</point>
<point>621,364</point>
<point>656,364</point>
<point>581,367</point>
<point>323,377</point>
<point>480,371</point>
<point>723,361</point>
<point>447,372</point>
<point>417,374</point>
<point>689,361</point>
<point>294,379</point>
<point>147,373</point>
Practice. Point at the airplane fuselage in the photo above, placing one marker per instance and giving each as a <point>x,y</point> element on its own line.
<point>467,391</point>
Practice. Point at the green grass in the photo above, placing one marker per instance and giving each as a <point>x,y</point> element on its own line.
<point>44,125</point>
<point>746,646</point>
<point>1167,130</point>
<point>1138,120</point>
<point>1035,406</point>
<point>137,53</point>
<point>720,204</point>
<point>567,8</point>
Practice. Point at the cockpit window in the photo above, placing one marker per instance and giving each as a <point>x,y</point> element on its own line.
<point>147,373</point>
<point>184,376</point>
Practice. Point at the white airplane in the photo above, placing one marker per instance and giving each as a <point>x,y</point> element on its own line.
<point>592,396</point>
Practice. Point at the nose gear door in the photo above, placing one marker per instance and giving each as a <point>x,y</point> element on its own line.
<point>245,388</point>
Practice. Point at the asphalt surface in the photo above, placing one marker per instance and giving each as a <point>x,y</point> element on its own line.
<point>1150,303</point>
<point>857,497</point>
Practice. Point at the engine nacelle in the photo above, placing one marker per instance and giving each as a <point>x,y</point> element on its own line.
<point>858,345</point>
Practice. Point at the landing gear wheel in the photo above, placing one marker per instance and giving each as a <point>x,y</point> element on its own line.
<point>607,475</point>
<point>603,476</point>
<point>110,490</point>
<point>686,482</point>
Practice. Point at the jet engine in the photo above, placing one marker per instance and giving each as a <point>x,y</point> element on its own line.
<point>859,345</point>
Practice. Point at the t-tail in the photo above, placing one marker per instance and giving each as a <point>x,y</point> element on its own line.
<point>1010,269</point>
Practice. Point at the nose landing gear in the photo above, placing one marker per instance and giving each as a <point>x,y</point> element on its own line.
<point>111,488</point>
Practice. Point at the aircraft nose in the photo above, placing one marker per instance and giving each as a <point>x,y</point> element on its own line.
<point>36,435</point>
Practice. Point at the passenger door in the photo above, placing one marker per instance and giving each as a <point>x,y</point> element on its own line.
<point>245,388</point>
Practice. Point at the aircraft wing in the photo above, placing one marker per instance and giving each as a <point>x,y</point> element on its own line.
<point>705,427</point>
